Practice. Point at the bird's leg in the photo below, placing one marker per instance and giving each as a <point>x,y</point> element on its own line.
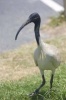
<point>43,82</point>
<point>51,81</point>
<point>37,90</point>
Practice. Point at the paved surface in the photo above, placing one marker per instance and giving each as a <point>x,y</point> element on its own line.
<point>13,13</point>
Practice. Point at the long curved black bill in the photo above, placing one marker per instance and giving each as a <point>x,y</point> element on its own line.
<point>27,22</point>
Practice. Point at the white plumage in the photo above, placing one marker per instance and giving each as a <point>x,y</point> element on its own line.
<point>46,56</point>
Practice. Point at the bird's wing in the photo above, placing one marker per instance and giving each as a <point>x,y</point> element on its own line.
<point>51,52</point>
<point>37,54</point>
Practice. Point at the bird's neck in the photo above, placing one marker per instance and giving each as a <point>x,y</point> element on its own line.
<point>37,33</point>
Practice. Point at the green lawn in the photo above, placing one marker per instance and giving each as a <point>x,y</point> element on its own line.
<point>20,87</point>
<point>19,90</point>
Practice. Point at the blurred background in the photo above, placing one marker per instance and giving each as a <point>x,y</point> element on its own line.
<point>14,12</point>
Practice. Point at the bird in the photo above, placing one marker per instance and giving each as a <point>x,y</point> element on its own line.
<point>46,56</point>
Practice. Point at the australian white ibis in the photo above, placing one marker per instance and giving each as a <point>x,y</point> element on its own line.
<point>46,56</point>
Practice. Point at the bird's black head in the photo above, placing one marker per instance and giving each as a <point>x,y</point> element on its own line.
<point>34,17</point>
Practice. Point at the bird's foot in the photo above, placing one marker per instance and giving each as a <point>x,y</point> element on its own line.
<point>34,93</point>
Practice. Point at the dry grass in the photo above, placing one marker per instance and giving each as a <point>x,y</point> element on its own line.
<point>19,63</point>
<point>56,31</point>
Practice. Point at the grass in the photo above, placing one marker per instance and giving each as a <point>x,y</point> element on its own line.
<point>57,21</point>
<point>18,90</point>
<point>17,62</point>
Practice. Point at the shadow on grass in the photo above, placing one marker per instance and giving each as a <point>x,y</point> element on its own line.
<point>49,95</point>
<point>39,96</point>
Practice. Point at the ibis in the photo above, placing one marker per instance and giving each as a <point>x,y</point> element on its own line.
<point>46,56</point>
